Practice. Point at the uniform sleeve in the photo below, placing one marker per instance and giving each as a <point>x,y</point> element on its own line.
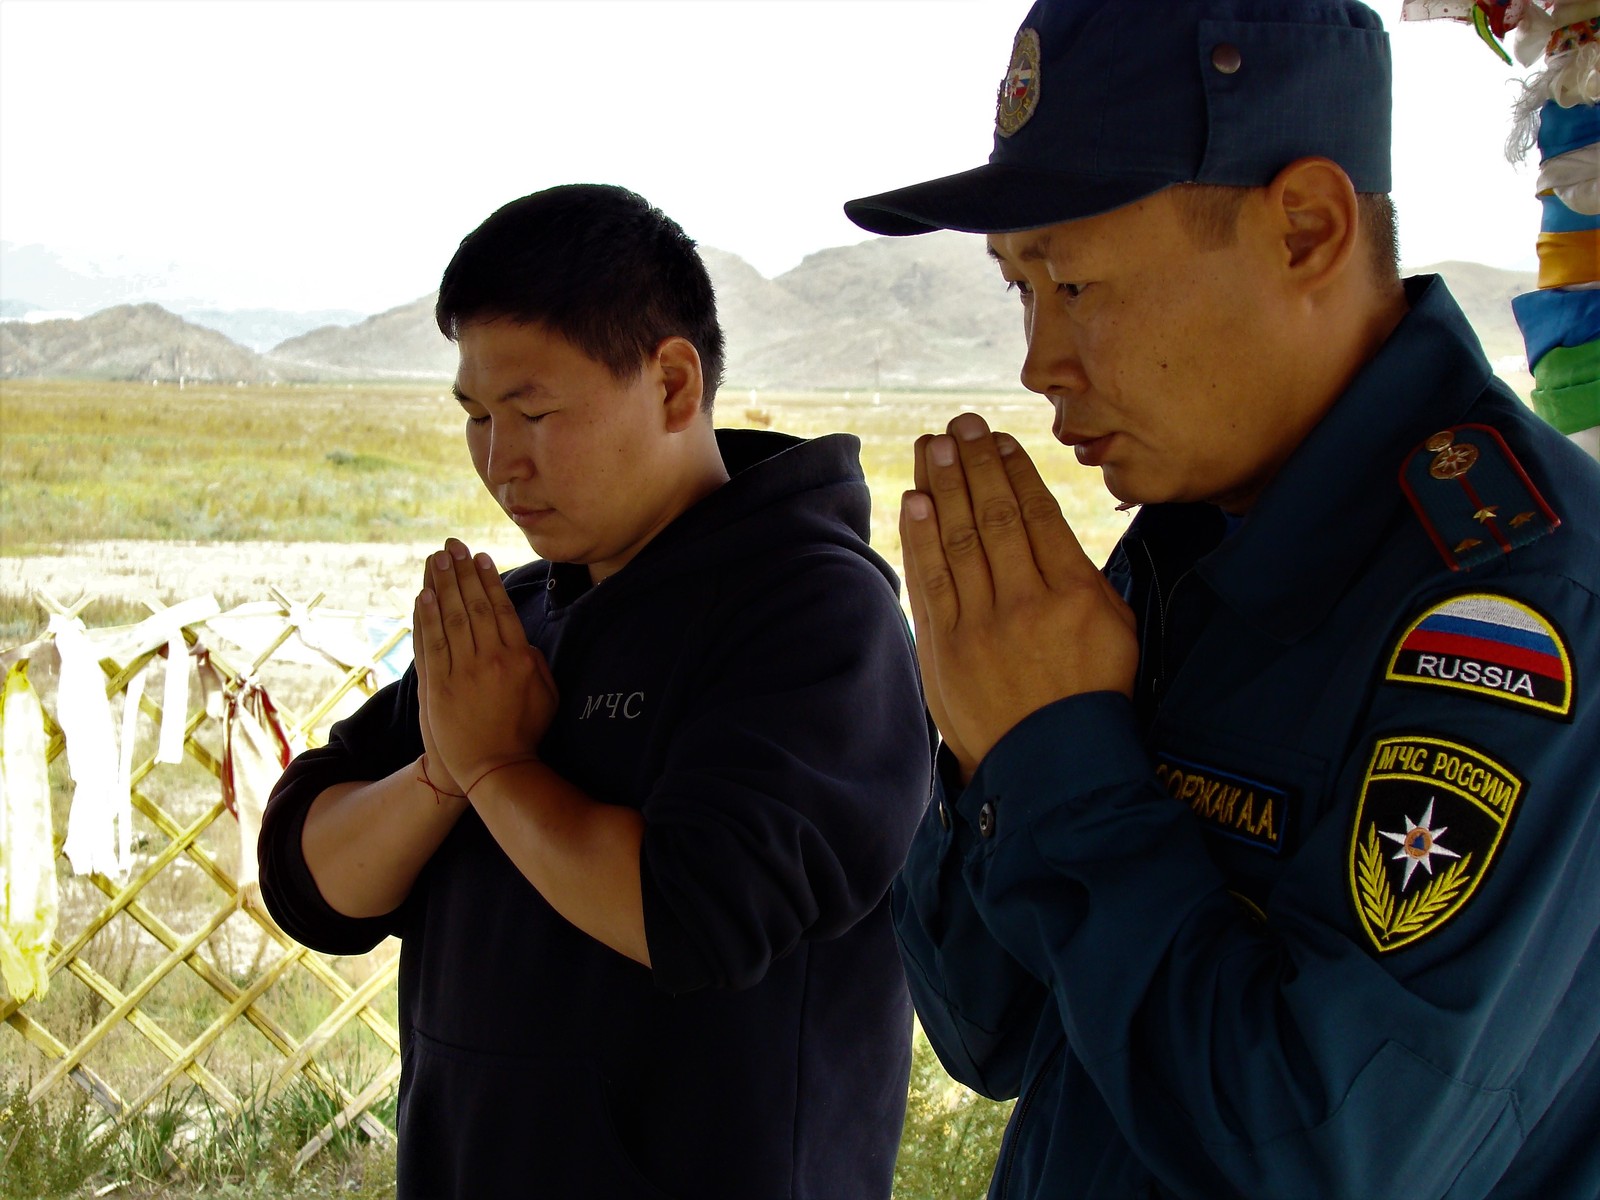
<point>977,1005</point>
<point>1323,1048</point>
<point>378,739</point>
<point>792,788</point>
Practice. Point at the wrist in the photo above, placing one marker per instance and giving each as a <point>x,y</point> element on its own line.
<point>492,767</point>
<point>442,788</point>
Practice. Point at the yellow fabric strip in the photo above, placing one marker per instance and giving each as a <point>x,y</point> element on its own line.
<point>1566,259</point>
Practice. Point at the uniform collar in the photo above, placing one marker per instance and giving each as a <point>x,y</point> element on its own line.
<point>1318,521</point>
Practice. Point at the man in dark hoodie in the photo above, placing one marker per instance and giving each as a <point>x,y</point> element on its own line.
<point>635,813</point>
<point>1263,864</point>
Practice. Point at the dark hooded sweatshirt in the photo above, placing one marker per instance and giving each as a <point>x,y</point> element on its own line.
<point>748,683</point>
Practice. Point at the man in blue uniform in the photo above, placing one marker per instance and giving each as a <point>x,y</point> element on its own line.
<point>1263,863</point>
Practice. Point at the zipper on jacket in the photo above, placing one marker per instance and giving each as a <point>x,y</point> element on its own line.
<point>1161,613</point>
<point>1158,684</point>
<point>1020,1115</point>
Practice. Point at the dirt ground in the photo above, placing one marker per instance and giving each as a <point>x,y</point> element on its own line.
<point>362,577</point>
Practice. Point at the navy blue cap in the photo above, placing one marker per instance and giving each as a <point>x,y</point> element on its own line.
<point>1109,101</point>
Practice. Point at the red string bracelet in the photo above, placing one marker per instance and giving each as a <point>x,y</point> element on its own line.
<point>513,762</point>
<point>438,792</point>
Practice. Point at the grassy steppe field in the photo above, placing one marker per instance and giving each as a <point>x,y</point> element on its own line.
<point>122,491</point>
<point>381,464</point>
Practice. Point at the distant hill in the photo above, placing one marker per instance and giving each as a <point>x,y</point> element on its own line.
<point>402,342</point>
<point>922,312</point>
<point>890,313</point>
<point>260,329</point>
<point>926,312</point>
<point>129,341</point>
<point>1484,294</point>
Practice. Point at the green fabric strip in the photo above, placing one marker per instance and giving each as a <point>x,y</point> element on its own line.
<point>1567,387</point>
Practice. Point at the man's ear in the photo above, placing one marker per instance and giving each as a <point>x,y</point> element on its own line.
<point>683,381</point>
<point>1314,206</point>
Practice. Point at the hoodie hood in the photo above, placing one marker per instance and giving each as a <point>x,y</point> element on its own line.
<point>782,490</point>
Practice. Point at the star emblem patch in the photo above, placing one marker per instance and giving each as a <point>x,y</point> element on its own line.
<point>1019,90</point>
<point>1419,843</point>
<point>1432,815</point>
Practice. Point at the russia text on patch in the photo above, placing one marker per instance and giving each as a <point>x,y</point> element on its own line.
<point>1231,804</point>
<point>1489,645</point>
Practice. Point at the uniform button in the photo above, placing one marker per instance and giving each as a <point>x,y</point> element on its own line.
<point>1225,57</point>
<point>986,819</point>
<point>944,814</point>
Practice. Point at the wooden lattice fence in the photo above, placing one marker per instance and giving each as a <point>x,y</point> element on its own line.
<point>165,982</point>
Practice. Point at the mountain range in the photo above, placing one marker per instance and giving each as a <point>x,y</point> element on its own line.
<point>891,313</point>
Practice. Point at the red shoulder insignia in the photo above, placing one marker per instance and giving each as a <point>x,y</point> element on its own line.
<point>1473,497</point>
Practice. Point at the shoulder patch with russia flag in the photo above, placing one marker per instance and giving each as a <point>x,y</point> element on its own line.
<point>1489,645</point>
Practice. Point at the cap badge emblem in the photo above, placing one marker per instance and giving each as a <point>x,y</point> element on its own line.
<point>1019,90</point>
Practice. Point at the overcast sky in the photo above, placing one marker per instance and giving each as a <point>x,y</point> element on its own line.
<point>331,153</point>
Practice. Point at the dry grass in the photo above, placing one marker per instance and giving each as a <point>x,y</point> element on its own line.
<point>130,490</point>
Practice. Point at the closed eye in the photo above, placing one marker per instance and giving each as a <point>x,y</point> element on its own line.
<point>1069,290</point>
<point>531,418</point>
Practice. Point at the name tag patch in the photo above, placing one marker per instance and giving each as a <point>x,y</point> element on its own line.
<point>1489,645</point>
<point>1431,817</point>
<point>1248,810</point>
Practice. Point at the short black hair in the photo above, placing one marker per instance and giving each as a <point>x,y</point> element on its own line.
<point>598,265</point>
<point>1210,213</point>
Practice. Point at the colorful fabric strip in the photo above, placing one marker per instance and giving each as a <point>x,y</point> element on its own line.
<point>1568,258</point>
<point>1567,387</point>
<point>1556,317</point>
<point>1500,16</point>
<point>1570,37</point>
<point>1558,218</point>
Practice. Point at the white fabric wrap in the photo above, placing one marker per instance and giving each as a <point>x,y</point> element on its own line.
<point>174,696</point>
<point>1575,178</point>
<point>84,713</point>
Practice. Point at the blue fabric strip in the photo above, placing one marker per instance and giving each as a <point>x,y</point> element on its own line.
<point>1554,317</point>
<point>1563,130</point>
<point>1558,218</point>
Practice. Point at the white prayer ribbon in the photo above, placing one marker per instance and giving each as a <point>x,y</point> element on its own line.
<point>130,738</point>
<point>163,628</point>
<point>255,758</point>
<point>175,695</point>
<point>84,713</point>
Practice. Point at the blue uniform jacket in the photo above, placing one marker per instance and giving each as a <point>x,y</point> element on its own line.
<point>1315,913</point>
